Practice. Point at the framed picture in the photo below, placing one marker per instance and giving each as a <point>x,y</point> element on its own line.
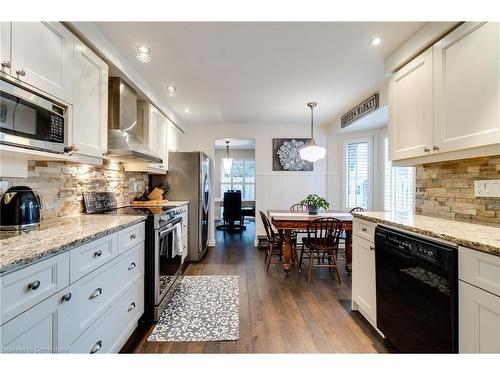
<point>286,156</point>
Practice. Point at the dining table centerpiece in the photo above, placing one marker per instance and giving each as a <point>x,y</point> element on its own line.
<point>314,202</point>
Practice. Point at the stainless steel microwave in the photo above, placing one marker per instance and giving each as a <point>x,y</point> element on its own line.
<point>31,121</point>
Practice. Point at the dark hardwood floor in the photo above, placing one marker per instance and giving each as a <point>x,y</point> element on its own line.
<point>278,314</point>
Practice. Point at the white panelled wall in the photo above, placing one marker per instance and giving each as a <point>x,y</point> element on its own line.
<point>274,189</point>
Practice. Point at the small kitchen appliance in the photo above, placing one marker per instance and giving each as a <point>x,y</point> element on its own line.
<point>32,121</point>
<point>19,208</point>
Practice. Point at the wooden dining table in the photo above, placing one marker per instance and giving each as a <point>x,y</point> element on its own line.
<point>287,221</point>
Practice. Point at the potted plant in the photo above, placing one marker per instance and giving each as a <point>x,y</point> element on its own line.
<point>314,202</point>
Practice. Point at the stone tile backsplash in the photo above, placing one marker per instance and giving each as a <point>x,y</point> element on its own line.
<point>62,184</point>
<point>446,189</point>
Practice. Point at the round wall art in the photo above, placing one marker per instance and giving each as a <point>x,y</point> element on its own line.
<point>286,156</point>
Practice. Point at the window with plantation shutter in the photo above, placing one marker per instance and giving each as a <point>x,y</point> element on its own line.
<point>242,178</point>
<point>399,185</point>
<point>357,186</point>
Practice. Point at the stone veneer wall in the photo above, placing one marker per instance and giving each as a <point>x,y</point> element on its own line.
<point>446,189</point>
<point>61,184</point>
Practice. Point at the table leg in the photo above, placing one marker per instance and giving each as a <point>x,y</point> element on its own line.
<point>348,251</point>
<point>287,251</point>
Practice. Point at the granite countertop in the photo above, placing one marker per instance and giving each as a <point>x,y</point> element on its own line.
<point>480,237</point>
<point>56,236</point>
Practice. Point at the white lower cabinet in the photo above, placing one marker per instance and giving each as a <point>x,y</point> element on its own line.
<point>96,313</point>
<point>479,320</point>
<point>95,293</point>
<point>364,293</point>
<point>28,286</point>
<point>111,331</point>
<point>479,302</point>
<point>34,331</point>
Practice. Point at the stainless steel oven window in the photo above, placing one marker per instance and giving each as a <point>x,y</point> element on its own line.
<point>167,265</point>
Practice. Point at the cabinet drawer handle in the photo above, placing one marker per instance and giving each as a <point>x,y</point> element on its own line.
<point>132,237</point>
<point>98,253</point>
<point>5,64</point>
<point>132,266</point>
<point>363,229</point>
<point>34,285</point>
<point>427,149</point>
<point>435,148</point>
<point>20,72</point>
<point>96,347</point>
<point>96,293</point>
<point>372,248</point>
<point>131,307</point>
<point>66,297</point>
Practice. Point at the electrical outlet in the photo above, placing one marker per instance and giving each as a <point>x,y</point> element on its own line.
<point>4,185</point>
<point>487,188</point>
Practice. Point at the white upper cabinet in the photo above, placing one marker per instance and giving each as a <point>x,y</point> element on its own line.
<point>90,101</point>
<point>467,80</point>
<point>154,128</point>
<point>446,102</point>
<point>42,56</point>
<point>5,47</point>
<point>411,109</point>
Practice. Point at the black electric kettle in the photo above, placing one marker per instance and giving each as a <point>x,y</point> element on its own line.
<point>19,208</point>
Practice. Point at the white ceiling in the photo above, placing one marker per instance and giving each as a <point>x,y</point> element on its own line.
<point>260,73</point>
<point>235,144</point>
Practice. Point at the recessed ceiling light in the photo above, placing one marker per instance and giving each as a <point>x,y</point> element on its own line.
<point>143,54</point>
<point>171,90</point>
<point>375,41</point>
<point>187,110</point>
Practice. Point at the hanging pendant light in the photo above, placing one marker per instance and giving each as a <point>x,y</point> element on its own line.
<point>227,161</point>
<point>312,152</point>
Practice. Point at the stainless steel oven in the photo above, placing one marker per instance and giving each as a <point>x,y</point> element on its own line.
<point>31,121</point>
<point>168,261</point>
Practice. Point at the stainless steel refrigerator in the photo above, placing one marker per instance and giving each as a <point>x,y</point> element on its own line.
<point>190,178</point>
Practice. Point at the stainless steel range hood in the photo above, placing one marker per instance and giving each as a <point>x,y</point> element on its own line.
<point>124,135</point>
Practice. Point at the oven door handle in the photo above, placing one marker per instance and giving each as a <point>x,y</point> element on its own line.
<point>170,227</point>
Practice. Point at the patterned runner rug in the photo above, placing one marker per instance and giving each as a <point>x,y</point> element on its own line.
<point>202,308</point>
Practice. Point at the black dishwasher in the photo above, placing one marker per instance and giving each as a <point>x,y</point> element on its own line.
<point>417,292</point>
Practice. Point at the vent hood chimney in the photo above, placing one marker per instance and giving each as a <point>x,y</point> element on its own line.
<point>124,136</point>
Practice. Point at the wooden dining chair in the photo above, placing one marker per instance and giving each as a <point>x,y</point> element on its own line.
<point>299,207</point>
<point>322,241</point>
<point>356,209</point>
<point>275,243</point>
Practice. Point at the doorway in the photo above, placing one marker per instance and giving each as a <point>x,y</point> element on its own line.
<point>234,185</point>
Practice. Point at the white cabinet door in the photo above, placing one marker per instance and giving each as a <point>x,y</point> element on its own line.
<point>467,82</point>
<point>90,102</point>
<point>5,47</point>
<point>479,320</point>
<point>363,277</point>
<point>411,109</point>
<point>156,135</point>
<point>34,331</point>
<point>42,56</point>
